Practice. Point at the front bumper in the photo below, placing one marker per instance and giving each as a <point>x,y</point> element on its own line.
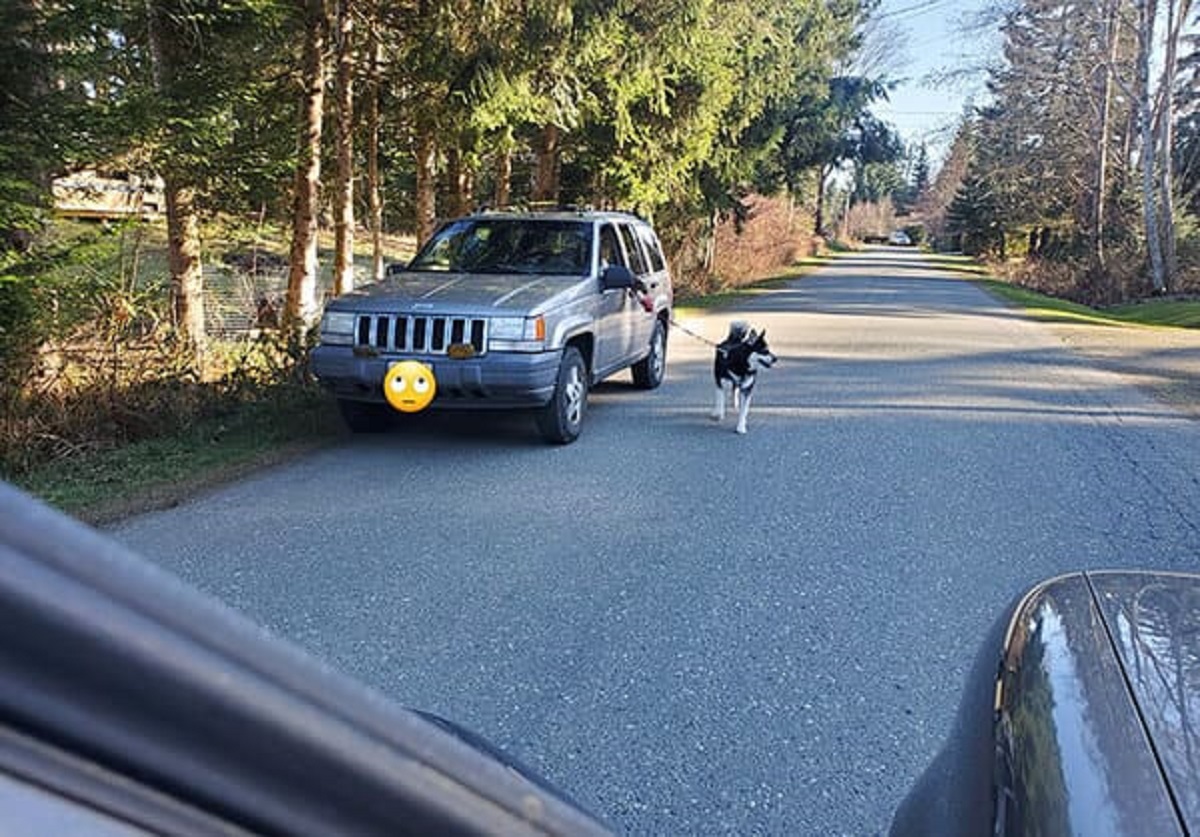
<point>497,380</point>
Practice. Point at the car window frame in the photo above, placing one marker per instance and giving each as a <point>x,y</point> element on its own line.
<point>637,261</point>
<point>657,261</point>
<point>609,228</point>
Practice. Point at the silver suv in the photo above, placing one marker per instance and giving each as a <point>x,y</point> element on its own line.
<point>509,310</point>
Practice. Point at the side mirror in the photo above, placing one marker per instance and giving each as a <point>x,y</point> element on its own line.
<point>394,268</point>
<point>617,276</point>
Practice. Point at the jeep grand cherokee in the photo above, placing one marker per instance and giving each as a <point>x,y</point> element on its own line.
<point>508,310</point>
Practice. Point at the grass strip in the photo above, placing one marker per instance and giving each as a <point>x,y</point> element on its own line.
<point>102,486</point>
<point>1172,313</point>
<point>1160,313</point>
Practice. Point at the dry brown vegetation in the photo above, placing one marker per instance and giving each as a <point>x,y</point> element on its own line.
<point>774,234</point>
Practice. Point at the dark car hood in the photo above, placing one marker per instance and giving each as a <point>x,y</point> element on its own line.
<point>1079,716</point>
<point>1153,620</point>
<point>470,293</point>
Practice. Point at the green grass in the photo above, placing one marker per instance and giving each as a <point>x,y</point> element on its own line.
<point>1174,313</point>
<point>1047,308</point>
<point>1161,312</point>
<point>159,472</point>
<point>1166,313</point>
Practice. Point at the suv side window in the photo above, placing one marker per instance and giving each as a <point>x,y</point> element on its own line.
<point>610,250</point>
<point>657,262</point>
<point>637,261</point>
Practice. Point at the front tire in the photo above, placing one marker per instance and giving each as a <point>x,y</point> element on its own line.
<point>364,416</point>
<point>562,418</point>
<point>649,372</point>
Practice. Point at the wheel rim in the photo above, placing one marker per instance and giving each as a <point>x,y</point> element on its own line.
<point>657,355</point>
<point>573,393</point>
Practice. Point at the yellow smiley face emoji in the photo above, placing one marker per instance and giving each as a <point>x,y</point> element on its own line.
<point>409,386</point>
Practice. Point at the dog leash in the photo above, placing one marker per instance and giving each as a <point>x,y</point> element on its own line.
<point>688,331</point>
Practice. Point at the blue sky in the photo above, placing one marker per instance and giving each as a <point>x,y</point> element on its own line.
<point>925,39</point>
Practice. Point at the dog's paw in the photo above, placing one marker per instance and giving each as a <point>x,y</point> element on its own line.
<point>740,430</point>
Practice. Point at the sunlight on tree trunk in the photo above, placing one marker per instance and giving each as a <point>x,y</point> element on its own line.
<point>426,162</point>
<point>823,173</point>
<point>374,188</point>
<point>1178,11</point>
<point>343,210</point>
<point>183,227</point>
<point>460,182</point>
<point>1104,130</point>
<point>545,187</point>
<point>1146,13</point>
<point>187,274</point>
<point>301,309</point>
<point>503,175</point>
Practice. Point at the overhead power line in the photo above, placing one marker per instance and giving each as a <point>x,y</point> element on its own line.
<point>913,10</point>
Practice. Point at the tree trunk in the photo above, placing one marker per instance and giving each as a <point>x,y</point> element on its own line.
<point>1177,13</point>
<point>1100,199</point>
<point>426,163</point>
<point>343,210</point>
<point>709,260</point>
<point>301,308</point>
<point>503,176</point>
<point>187,274</point>
<point>374,188</point>
<point>822,175</point>
<point>1146,15</point>
<point>545,185</point>
<point>461,183</point>
<point>183,227</point>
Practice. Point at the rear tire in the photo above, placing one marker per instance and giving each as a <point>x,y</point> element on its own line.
<point>364,416</point>
<point>562,418</point>
<point>648,372</point>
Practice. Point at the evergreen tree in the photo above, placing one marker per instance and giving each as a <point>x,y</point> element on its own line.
<point>934,203</point>
<point>974,218</point>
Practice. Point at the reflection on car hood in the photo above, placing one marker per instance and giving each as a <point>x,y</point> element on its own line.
<point>467,292</point>
<point>1154,623</point>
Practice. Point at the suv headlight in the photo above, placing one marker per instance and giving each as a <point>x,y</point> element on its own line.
<point>517,334</point>
<point>337,328</point>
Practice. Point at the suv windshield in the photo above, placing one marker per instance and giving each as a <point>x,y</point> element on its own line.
<point>508,245</point>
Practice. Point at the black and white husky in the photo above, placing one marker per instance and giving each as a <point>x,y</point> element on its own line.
<point>739,357</point>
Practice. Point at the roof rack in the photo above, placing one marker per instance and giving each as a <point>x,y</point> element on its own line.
<point>534,206</point>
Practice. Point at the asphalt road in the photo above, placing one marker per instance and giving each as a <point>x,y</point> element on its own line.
<point>693,632</point>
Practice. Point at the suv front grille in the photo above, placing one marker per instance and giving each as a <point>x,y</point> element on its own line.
<point>420,335</point>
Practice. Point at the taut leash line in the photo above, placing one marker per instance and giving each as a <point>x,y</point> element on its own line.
<point>688,331</point>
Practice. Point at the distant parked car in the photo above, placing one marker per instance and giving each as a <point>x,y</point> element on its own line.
<point>1080,716</point>
<point>899,238</point>
<point>508,310</point>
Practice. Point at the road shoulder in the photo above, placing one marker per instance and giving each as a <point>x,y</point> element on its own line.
<point>1165,362</point>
